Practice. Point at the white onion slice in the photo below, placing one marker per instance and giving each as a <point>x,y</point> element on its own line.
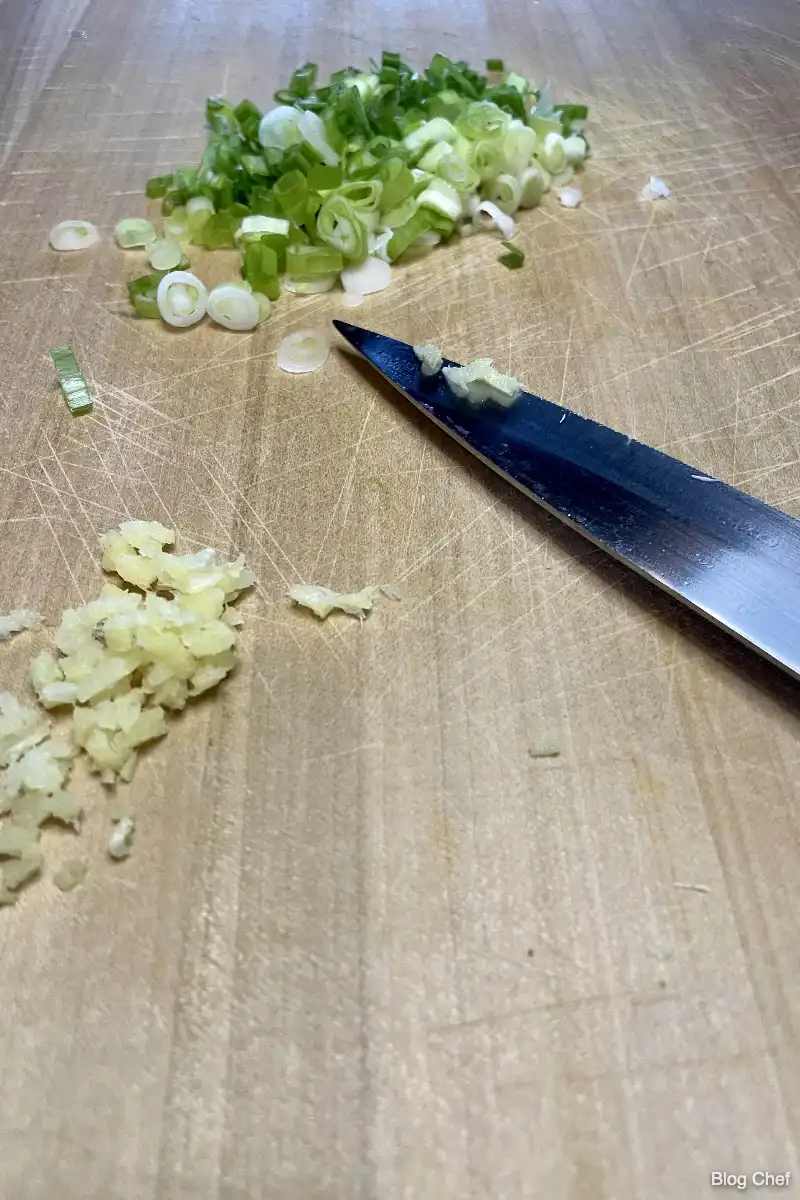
<point>182,299</point>
<point>233,307</point>
<point>308,287</point>
<point>164,254</point>
<point>73,235</point>
<point>378,243</point>
<point>304,351</point>
<point>425,242</point>
<point>256,225</point>
<point>279,127</point>
<point>373,275</point>
<point>570,197</point>
<point>506,224</point>
<point>312,130</point>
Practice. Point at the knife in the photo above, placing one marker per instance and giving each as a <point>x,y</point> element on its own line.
<point>725,554</point>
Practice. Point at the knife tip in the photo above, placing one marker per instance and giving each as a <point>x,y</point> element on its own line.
<point>353,333</point>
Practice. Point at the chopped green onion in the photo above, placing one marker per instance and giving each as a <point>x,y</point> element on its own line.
<point>177,225</point>
<point>302,81</point>
<point>252,228</point>
<point>73,235</point>
<point>542,126</point>
<point>198,211</point>
<point>309,287</point>
<point>158,186</point>
<point>374,164</point>
<point>514,258</point>
<point>264,306</point>
<point>143,294</point>
<point>220,116</point>
<point>430,132</point>
<point>304,351</point>
<point>219,230</point>
<point>433,157</point>
<point>308,261</point>
<point>568,114</point>
<point>314,134</point>
<point>518,82</point>
<point>260,269</point>
<point>518,147</point>
<point>421,222</point>
<point>456,171</point>
<point>534,182</point>
<point>398,216</point>
<point>249,117</point>
<point>233,306</point>
<point>279,127</point>
<point>398,183</point>
<point>575,149</point>
<point>364,195</point>
<point>552,153</point>
<point>291,192</point>
<point>133,232</point>
<point>373,275</point>
<point>182,299</point>
<point>488,159</point>
<point>442,198</point>
<point>506,192</point>
<point>340,226</point>
<point>502,220</point>
<point>482,120</point>
<point>73,385</point>
<point>324,179</point>
<point>165,254</point>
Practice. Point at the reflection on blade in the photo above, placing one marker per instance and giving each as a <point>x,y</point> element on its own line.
<point>729,556</point>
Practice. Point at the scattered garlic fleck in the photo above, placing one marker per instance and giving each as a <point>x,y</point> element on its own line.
<point>570,197</point>
<point>655,189</point>
<point>119,842</point>
<point>322,600</point>
<point>18,620</point>
<point>391,592</point>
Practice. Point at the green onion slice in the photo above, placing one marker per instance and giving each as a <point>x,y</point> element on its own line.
<point>514,258</point>
<point>73,385</point>
<point>133,232</point>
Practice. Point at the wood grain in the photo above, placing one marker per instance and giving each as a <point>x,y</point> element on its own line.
<point>367,946</point>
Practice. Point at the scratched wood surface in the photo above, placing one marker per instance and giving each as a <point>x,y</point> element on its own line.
<point>367,945</point>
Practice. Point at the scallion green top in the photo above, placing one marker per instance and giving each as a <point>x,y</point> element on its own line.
<point>365,155</point>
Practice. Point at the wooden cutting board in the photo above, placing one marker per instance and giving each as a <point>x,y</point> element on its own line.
<point>368,944</point>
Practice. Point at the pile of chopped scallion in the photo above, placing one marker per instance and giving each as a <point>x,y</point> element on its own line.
<point>337,183</point>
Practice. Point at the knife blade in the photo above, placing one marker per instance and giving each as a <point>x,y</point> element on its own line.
<point>727,555</point>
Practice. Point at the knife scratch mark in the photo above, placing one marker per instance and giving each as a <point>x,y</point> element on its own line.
<point>59,547</point>
<point>641,247</point>
<point>262,525</point>
<point>414,501</point>
<point>444,542</point>
<point>345,484</point>
<point>566,357</point>
<point>66,508</point>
